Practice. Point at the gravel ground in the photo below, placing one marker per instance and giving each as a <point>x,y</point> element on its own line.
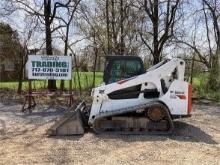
<point>23,141</point>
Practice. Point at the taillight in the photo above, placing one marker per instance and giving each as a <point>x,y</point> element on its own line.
<point>189,98</point>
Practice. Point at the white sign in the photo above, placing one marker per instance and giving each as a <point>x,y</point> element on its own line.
<point>49,67</point>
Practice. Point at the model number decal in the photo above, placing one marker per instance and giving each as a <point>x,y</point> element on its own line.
<point>179,92</point>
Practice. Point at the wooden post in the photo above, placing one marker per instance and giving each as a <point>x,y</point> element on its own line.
<point>192,68</point>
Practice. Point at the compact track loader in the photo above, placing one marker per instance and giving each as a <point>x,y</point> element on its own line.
<point>132,100</point>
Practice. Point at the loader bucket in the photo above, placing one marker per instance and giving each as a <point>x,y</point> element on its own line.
<point>70,124</point>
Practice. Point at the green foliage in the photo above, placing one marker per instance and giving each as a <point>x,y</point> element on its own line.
<point>201,88</point>
<point>213,81</point>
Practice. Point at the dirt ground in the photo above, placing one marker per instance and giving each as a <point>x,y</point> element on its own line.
<point>196,140</point>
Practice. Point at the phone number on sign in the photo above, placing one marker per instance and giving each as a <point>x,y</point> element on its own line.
<point>50,70</point>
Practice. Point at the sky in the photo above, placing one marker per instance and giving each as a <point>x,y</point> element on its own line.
<point>17,19</point>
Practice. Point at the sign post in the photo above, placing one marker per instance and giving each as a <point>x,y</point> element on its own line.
<point>42,67</point>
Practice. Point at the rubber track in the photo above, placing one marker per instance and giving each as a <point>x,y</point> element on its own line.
<point>134,108</point>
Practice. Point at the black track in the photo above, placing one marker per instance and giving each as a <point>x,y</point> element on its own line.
<point>167,120</point>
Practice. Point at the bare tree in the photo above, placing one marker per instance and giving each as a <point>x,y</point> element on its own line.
<point>122,16</point>
<point>65,23</point>
<point>206,45</point>
<point>212,9</point>
<point>161,17</point>
<point>23,53</point>
<point>116,25</point>
<point>107,25</point>
<point>48,18</point>
<point>46,13</point>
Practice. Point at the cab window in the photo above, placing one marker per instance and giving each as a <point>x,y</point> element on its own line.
<point>122,69</point>
<point>132,68</point>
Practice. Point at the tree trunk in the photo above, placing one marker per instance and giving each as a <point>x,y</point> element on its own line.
<point>49,50</point>
<point>213,82</point>
<point>156,57</point>
<point>77,72</point>
<point>114,36</point>
<point>192,69</point>
<point>20,76</point>
<point>94,69</point>
<point>20,79</point>
<point>107,24</point>
<point>155,22</point>
<point>95,61</point>
<point>65,53</point>
<point>99,63</point>
<point>122,44</point>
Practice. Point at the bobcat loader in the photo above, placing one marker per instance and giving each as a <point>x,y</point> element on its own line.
<point>132,100</point>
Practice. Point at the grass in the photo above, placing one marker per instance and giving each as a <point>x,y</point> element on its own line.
<point>86,79</point>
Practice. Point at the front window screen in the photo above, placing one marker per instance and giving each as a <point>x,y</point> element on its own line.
<point>122,69</point>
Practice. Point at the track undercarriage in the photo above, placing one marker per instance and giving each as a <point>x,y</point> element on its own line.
<point>154,119</point>
<point>137,122</point>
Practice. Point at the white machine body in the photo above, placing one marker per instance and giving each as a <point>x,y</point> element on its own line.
<point>167,77</point>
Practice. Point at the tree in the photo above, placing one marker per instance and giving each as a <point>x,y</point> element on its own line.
<point>29,30</point>
<point>158,27</point>
<point>115,24</point>
<point>9,47</point>
<point>212,9</point>
<point>46,13</point>
<point>48,18</point>
<point>65,23</point>
<point>205,45</point>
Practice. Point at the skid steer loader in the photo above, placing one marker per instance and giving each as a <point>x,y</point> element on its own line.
<point>132,100</point>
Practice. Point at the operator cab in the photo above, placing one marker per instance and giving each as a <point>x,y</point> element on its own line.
<point>122,67</point>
